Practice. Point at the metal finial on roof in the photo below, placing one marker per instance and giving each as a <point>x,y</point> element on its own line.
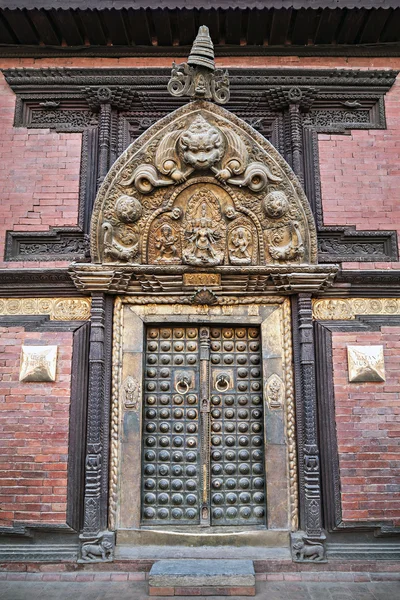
<point>198,78</point>
<point>202,52</point>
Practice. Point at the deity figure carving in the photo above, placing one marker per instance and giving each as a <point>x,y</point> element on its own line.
<point>201,237</point>
<point>204,230</point>
<point>239,241</point>
<point>131,392</point>
<point>274,391</point>
<point>164,242</point>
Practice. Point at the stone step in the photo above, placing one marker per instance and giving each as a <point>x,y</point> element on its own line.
<point>125,552</point>
<point>202,578</point>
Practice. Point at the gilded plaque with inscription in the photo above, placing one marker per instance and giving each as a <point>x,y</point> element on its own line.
<point>38,363</point>
<point>366,363</point>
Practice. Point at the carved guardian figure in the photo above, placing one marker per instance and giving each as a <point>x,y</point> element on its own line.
<point>307,550</point>
<point>200,147</point>
<point>91,552</point>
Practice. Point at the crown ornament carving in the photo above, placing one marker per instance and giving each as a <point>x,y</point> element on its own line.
<point>198,78</point>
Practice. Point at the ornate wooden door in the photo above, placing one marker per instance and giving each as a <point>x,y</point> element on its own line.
<point>203,442</point>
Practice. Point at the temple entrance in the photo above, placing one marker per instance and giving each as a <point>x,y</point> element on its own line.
<point>203,450</point>
<point>203,440</point>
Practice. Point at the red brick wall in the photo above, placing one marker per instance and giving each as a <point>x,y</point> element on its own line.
<point>39,177</point>
<point>39,169</point>
<point>34,421</point>
<point>368,430</point>
<point>360,177</point>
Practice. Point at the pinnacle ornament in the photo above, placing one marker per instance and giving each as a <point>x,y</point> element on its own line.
<point>198,78</point>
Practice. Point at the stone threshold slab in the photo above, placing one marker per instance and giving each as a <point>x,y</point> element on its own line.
<point>202,573</point>
<point>203,591</point>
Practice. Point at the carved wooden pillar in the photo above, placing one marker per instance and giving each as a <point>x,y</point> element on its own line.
<point>97,436</point>
<point>296,131</point>
<point>307,434</point>
<point>104,96</point>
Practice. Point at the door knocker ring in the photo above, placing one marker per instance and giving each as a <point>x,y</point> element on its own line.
<point>184,383</point>
<point>222,382</point>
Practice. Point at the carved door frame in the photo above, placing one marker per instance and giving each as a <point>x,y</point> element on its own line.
<point>273,316</point>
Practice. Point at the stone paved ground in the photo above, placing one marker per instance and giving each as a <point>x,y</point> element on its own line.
<point>137,590</point>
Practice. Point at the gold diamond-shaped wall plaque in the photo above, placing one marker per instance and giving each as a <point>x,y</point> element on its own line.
<point>38,363</point>
<point>366,363</point>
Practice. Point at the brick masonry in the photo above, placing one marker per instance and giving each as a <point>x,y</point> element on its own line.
<point>360,177</point>
<point>368,430</point>
<point>34,421</point>
<point>39,177</point>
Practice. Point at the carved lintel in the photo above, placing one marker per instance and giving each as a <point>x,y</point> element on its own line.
<point>308,549</point>
<point>356,246</point>
<point>97,549</point>
<point>344,309</point>
<point>124,279</point>
<point>58,309</point>
<point>60,243</point>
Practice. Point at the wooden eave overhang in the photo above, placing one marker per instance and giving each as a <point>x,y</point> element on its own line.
<point>167,27</point>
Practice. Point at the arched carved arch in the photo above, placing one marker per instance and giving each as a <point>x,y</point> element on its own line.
<point>232,209</point>
<point>204,149</point>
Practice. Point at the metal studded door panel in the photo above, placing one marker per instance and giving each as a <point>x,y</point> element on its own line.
<point>170,484</point>
<point>237,448</point>
<point>203,450</point>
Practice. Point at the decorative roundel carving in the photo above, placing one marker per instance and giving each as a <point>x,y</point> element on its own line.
<point>128,209</point>
<point>276,204</point>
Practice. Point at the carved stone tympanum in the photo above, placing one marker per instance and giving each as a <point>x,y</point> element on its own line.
<point>202,188</point>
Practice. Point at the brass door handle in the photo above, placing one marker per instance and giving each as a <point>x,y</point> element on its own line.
<point>182,385</point>
<point>222,382</point>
